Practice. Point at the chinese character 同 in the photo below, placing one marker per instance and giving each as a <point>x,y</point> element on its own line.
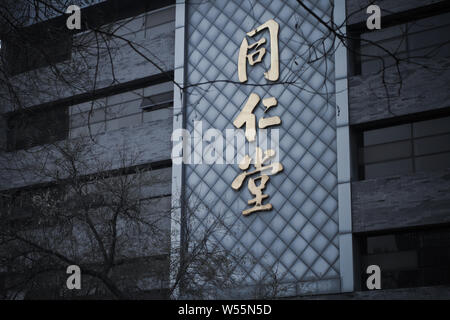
<point>273,73</point>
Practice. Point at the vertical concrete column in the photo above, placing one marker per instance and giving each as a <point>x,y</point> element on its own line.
<point>178,123</point>
<point>343,155</point>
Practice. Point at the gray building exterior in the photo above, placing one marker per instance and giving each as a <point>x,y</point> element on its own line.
<point>363,140</point>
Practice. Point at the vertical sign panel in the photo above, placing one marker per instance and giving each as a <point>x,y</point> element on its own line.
<point>266,68</point>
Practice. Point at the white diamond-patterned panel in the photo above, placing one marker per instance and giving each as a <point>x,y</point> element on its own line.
<point>298,239</point>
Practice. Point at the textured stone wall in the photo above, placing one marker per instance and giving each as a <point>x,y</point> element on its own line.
<point>420,90</point>
<point>401,201</point>
<point>422,293</point>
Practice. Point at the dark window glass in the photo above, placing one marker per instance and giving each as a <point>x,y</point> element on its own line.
<point>434,144</point>
<point>387,151</point>
<point>389,168</point>
<point>28,128</point>
<point>408,259</point>
<point>431,127</point>
<point>35,47</point>
<point>157,101</point>
<point>437,161</point>
<point>23,209</point>
<point>406,148</point>
<point>425,38</point>
<point>389,134</point>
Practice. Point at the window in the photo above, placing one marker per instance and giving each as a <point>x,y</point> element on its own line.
<point>24,209</point>
<point>157,101</point>
<point>35,47</point>
<point>28,128</point>
<point>425,38</point>
<point>16,205</point>
<point>406,148</point>
<point>407,259</point>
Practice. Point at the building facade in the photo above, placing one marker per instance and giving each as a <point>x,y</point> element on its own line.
<point>347,166</point>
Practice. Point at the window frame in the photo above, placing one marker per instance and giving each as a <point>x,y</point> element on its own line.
<point>355,31</point>
<point>418,247</point>
<point>147,105</point>
<point>358,146</point>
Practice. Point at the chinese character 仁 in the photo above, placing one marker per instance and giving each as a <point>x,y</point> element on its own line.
<point>247,117</point>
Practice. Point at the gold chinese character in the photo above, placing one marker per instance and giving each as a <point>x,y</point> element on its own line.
<point>274,71</point>
<point>247,117</point>
<point>256,190</point>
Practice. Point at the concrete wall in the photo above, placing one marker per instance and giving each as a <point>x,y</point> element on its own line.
<point>115,122</point>
<point>401,201</point>
<point>398,201</point>
<point>115,62</point>
<point>414,87</point>
<point>421,293</point>
<point>109,127</point>
<point>420,90</point>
